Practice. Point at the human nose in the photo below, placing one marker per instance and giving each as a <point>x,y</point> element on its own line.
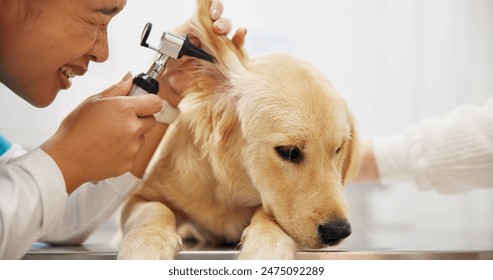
<point>99,51</point>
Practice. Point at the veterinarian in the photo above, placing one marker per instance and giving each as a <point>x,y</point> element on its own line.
<point>449,155</point>
<point>45,193</point>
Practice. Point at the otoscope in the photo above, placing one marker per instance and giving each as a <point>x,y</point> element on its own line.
<point>171,46</point>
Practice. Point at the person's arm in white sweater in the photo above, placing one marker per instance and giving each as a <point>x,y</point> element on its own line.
<point>449,155</point>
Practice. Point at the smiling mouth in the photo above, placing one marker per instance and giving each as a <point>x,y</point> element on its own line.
<point>69,73</point>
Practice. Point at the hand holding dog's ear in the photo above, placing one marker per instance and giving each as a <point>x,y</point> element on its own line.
<point>176,76</point>
<point>223,26</point>
<point>239,37</point>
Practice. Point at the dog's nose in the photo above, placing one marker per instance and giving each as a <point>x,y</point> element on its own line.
<point>333,232</point>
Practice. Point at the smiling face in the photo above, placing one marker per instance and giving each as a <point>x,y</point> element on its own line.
<point>44,43</point>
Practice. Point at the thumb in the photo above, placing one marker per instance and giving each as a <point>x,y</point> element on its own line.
<point>122,88</point>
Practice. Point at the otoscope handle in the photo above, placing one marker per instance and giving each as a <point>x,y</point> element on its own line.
<point>144,84</point>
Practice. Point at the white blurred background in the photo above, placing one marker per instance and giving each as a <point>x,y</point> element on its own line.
<point>394,62</point>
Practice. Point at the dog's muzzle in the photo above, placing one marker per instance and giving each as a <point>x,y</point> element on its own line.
<point>333,232</point>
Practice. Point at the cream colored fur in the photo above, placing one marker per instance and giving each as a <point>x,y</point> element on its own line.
<point>218,177</point>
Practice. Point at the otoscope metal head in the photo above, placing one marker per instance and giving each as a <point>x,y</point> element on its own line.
<point>175,46</point>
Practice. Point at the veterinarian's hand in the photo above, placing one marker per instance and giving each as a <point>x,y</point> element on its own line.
<point>222,26</point>
<point>102,136</point>
<point>177,79</point>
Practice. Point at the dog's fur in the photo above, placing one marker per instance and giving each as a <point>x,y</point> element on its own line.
<point>260,153</point>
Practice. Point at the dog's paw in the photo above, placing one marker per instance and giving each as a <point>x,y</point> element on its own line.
<point>192,238</point>
<point>142,244</point>
<point>266,245</point>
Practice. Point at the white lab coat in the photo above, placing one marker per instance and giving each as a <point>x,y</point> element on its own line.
<point>453,154</point>
<point>34,203</point>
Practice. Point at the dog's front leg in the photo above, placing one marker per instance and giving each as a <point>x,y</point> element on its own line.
<point>265,239</point>
<point>149,231</point>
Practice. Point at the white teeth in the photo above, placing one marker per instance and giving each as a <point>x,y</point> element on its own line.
<point>68,71</point>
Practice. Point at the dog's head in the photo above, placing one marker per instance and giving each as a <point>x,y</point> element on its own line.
<point>298,137</point>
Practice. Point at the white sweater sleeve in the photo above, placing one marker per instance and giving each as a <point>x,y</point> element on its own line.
<point>89,206</point>
<point>32,199</point>
<point>449,155</point>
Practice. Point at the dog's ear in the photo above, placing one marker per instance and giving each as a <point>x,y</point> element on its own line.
<point>206,76</point>
<point>352,157</point>
<point>220,46</point>
<point>209,83</point>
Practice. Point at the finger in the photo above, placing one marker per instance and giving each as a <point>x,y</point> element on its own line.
<point>239,37</point>
<point>167,92</point>
<point>122,88</point>
<point>145,105</point>
<point>216,9</point>
<point>222,26</point>
<point>179,80</point>
<point>142,140</point>
<point>147,124</point>
<point>194,40</point>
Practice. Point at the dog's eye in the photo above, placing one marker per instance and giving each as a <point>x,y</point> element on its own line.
<point>338,150</point>
<point>290,153</point>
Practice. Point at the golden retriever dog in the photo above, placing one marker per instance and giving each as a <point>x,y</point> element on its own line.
<point>258,156</point>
